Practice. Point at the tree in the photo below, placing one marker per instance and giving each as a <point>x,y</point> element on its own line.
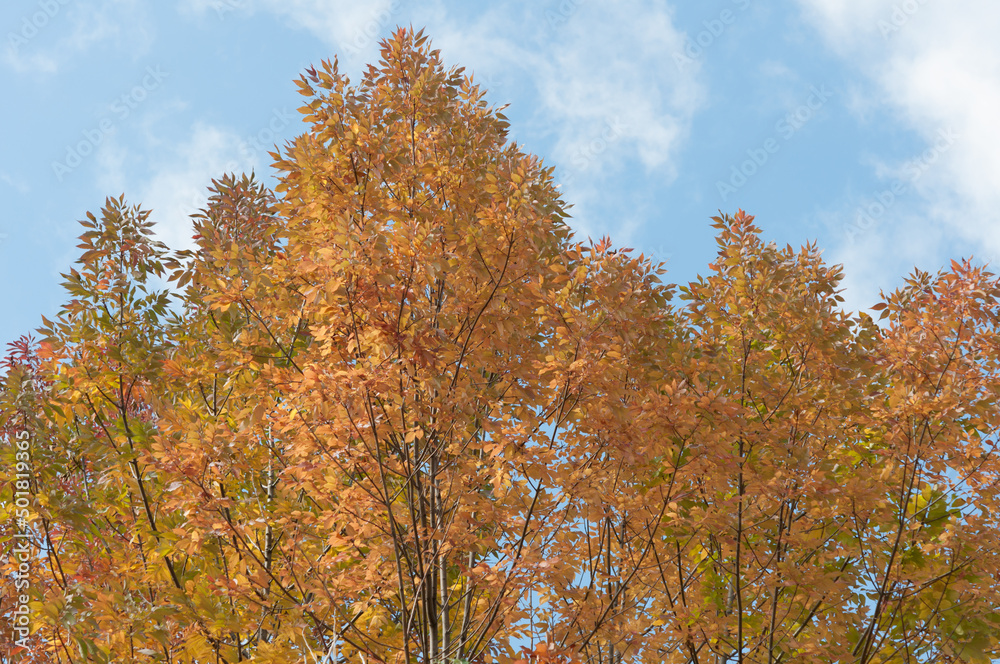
<point>392,412</point>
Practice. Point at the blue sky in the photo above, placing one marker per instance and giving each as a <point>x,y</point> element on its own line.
<point>867,126</point>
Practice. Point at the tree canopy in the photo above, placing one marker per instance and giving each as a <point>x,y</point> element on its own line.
<point>392,411</point>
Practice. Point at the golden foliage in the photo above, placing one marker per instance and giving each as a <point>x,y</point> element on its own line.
<point>396,414</point>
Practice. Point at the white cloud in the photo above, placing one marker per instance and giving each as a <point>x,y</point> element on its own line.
<point>177,186</point>
<point>37,63</point>
<point>352,27</point>
<point>348,24</point>
<point>611,73</point>
<point>846,23</point>
<point>936,67</point>
<point>893,249</point>
<point>775,69</point>
<point>14,182</point>
<point>53,34</point>
<point>601,79</point>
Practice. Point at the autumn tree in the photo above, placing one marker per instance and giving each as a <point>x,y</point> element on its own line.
<point>393,412</point>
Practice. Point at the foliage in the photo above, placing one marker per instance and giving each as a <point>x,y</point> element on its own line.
<point>392,412</point>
